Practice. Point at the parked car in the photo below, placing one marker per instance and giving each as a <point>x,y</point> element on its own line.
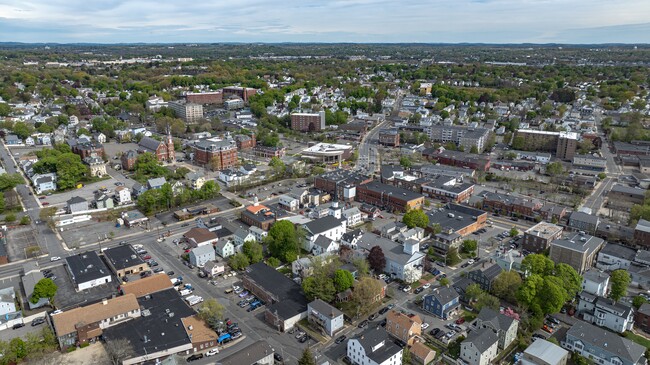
<point>340,339</point>
<point>194,357</point>
<point>303,339</point>
<point>373,317</point>
<point>18,325</point>
<point>460,320</point>
<point>418,290</point>
<point>383,310</point>
<point>37,321</point>
<point>363,324</point>
<point>55,258</point>
<point>212,352</point>
<point>425,325</point>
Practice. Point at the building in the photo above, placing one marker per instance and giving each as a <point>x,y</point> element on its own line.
<point>234,103</point>
<point>456,222</point>
<point>642,317</point>
<point>459,159</point>
<point>285,302</point>
<point>642,233</point>
<point>76,204</point>
<point>123,260</point>
<point>615,256</point>
<point>211,97</point>
<point>258,215</point>
<point>589,162</point>
<point>504,326</point>
<point>257,353</point>
<point>201,255</point>
<point>442,303</point>
<point>403,327</point>
<point>243,92</point>
<point>328,153</point>
<point>465,137</point>
<point>96,165</point>
<point>155,103</point>
<point>595,282</point>
<point>218,154</point>
<point>422,353</point>
<point>352,216</point>
<point>552,212</point>
<point>480,347</point>
<point>389,137</point>
<point>485,276</point>
<point>511,206</point>
<point>605,312</point>
<point>128,159</point>
<point>146,286</point>
<point>198,237</point>
<point>245,142</point>
<point>330,227</point>
<point>402,261</point>
<point>308,122</point>
<point>542,352</point>
<point>87,270</point>
<point>578,250</point>
<point>44,183</point>
<point>539,237</point>
<point>7,302</point>
<point>448,189</point>
<point>163,150</point>
<point>324,315</point>
<point>389,197</point>
<point>85,148</point>
<point>581,221</point>
<point>602,346</point>
<point>373,347</point>
<point>622,195</point>
<point>563,144</point>
<point>189,112</point>
<point>268,152</point>
<point>82,324</point>
<point>123,195</point>
<point>214,268</point>
<point>202,336</point>
<point>342,184</point>
<point>32,275</point>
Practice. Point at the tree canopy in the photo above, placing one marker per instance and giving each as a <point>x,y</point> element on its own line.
<point>376,259</point>
<point>283,241</point>
<point>415,218</point>
<point>620,280</point>
<point>45,288</point>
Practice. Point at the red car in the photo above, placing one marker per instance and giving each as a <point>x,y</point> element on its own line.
<point>460,320</point>
<point>46,203</point>
<point>147,257</point>
<point>188,250</point>
<point>42,197</point>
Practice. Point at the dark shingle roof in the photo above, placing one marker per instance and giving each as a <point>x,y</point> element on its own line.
<point>498,320</point>
<point>372,337</point>
<point>325,309</point>
<point>322,224</point>
<point>482,338</point>
<point>607,341</point>
<point>149,144</point>
<point>289,294</point>
<point>445,294</point>
<point>249,355</point>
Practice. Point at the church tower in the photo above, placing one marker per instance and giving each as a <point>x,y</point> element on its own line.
<point>171,154</point>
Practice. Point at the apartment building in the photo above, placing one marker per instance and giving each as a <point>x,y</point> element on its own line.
<point>189,112</point>
<point>308,122</point>
<point>465,137</point>
<point>579,250</point>
<point>389,137</point>
<point>605,312</point>
<point>539,237</point>
<point>219,154</point>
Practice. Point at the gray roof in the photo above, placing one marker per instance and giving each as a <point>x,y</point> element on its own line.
<point>498,320</point>
<point>325,309</point>
<point>349,236</point>
<point>482,338</point>
<point>595,276</point>
<point>374,336</point>
<point>617,250</point>
<point>644,309</point>
<point>323,242</point>
<point>221,243</point>
<point>158,181</point>
<point>403,194</point>
<point>392,250</point>
<point>202,250</point>
<point>619,188</point>
<point>445,294</point>
<point>583,217</point>
<point>321,225</point>
<point>643,225</point>
<point>607,341</point>
<point>579,242</point>
<point>462,216</point>
<point>149,144</point>
<point>75,200</point>
<point>249,355</point>
<point>491,272</point>
<point>548,351</point>
<point>241,233</point>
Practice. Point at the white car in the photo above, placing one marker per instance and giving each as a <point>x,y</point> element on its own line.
<point>470,261</point>
<point>212,352</point>
<point>425,325</point>
<point>426,286</point>
<point>55,258</point>
<point>235,287</point>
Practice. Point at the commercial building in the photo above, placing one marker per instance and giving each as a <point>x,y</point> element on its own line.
<point>324,315</point>
<point>590,162</point>
<point>373,347</point>
<point>212,97</point>
<point>459,159</point>
<point>581,221</point>
<point>308,122</point>
<point>189,112</point>
<point>642,233</point>
<point>243,92</point>
<point>465,137</point>
<point>267,152</point>
<point>146,286</point>
<point>578,250</point>
<point>563,144</point>
<point>624,195</point>
<point>87,270</point>
<point>389,137</point>
<point>342,184</point>
<point>84,147</point>
<point>448,189</point>
<point>539,237</point>
<point>123,260</point>
<point>542,352</point>
<point>456,221</point>
<point>200,334</point>
<point>602,346</point>
<point>197,237</point>
<point>128,159</point>
<point>257,353</point>
<point>218,154</point>
<point>285,302</point>
<point>327,153</point>
<point>389,197</point>
<point>258,215</point>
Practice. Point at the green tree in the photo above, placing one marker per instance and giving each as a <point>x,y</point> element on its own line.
<point>415,218</point>
<point>45,288</point>
<point>474,150</point>
<point>238,261</point>
<point>366,292</point>
<point>537,264</point>
<point>147,167</point>
<point>570,279</point>
<point>10,181</point>
<point>444,281</point>
<point>620,280</point>
<point>470,246</point>
<point>406,356</point>
<point>638,301</point>
<point>513,232</point>
<point>405,162</point>
<point>518,143</point>
<point>211,312</point>
<point>554,169</point>
<point>283,241</point>
<point>5,110</point>
<point>602,176</point>
<point>254,251</point>
<point>473,292</point>
<point>18,347</point>
<point>487,300</point>
<point>24,220</point>
<point>273,262</point>
<point>452,257</point>
<point>506,284</point>
<point>307,358</point>
<point>11,217</point>
<point>343,280</point>
<point>319,286</point>
<point>278,166</point>
<point>552,296</point>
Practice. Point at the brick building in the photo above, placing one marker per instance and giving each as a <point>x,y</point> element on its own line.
<point>189,112</point>
<point>642,233</point>
<point>342,184</point>
<point>214,97</point>
<point>459,159</point>
<point>269,152</point>
<point>128,160</point>
<point>86,148</point>
<point>220,154</point>
<point>163,150</point>
<point>243,92</point>
<point>308,122</point>
<point>245,142</point>
<point>563,144</point>
<point>539,237</point>
<point>388,197</point>
<point>389,137</point>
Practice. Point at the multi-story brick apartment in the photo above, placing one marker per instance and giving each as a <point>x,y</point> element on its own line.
<point>85,148</point>
<point>213,97</point>
<point>459,159</point>
<point>308,122</point>
<point>258,215</point>
<point>509,205</point>
<point>539,237</point>
<point>467,137</point>
<point>243,92</point>
<point>128,159</point>
<point>564,144</point>
<point>578,250</point>
<point>245,142</point>
<point>342,184</point>
<point>189,112</point>
<point>269,152</point>
<point>389,137</point>
<point>220,154</point>
<point>642,233</point>
<point>389,197</point>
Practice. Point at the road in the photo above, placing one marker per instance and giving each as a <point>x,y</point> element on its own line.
<point>366,161</point>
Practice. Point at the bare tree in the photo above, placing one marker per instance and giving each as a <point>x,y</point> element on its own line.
<point>118,350</point>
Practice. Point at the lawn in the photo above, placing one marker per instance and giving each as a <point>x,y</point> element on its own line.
<point>638,339</point>
<point>469,316</point>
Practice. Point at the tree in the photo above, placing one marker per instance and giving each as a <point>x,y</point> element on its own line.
<point>570,279</point>
<point>518,143</point>
<point>361,265</point>
<point>254,251</point>
<point>118,350</point>
<point>537,264</point>
<point>45,288</point>
<point>554,169</point>
<point>405,162</point>
<point>278,166</point>
<point>506,284</point>
<point>5,110</point>
<point>10,181</point>
<point>307,358</point>
<point>18,347</point>
<point>319,286</point>
<point>211,312</point>
<point>638,301</point>
<point>24,220</point>
<point>343,280</point>
<point>473,292</point>
<point>620,280</point>
<point>366,291</point>
<point>11,217</point>
<point>376,259</point>
<point>444,281</point>
<point>273,262</point>
<point>415,218</point>
<point>552,296</point>
<point>470,246</point>
<point>513,232</point>
<point>602,176</point>
<point>487,300</point>
<point>283,241</point>
<point>406,356</point>
<point>238,261</point>
<point>452,257</point>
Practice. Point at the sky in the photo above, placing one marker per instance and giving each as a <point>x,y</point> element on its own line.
<point>383,21</point>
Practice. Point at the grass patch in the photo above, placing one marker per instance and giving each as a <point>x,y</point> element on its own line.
<point>428,276</point>
<point>285,270</point>
<point>469,316</point>
<point>638,339</point>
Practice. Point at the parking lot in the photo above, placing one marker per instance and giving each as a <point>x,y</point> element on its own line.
<point>22,244</point>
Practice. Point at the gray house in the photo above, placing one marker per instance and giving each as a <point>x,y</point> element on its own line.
<point>324,315</point>
<point>77,204</point>
<point>581,221</point>
<point>603,346</point>
<point>199,256</point>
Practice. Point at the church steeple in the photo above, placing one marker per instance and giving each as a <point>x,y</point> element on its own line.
<point>171,154</point>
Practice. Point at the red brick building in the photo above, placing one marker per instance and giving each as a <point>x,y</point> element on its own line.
<point>87,148</point>
<point>214,97</point>
<point>243,92</point>
<point>269,152</point>
<point>308,122</point>
<point>642,317</point>
<point>389,197</point>
<point>245,142</point>
<point>220,154</point>
<point>459,159</point>
<point>340,183</point>
<point>163,150</point>
<point>128,160</point>
<point>389,137</point>
<point>642,233</point>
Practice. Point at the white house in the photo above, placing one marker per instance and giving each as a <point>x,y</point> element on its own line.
<point>123,195</point>
<point>324,244</point>
<point>504,326</point>
<point>400,259</point>
<point>288,202</point>
<point>99,137</point>
<point>29,141</point>
<point>242,235</point>
<point>595,282</point>
<point>214,268</point>
<point>480,347</point>
<point>351,238</point>
<point>328,226</point>
<point>195,180</point>
<point>7,301</point>
<point>353,216</point>
<point>224,247</point>
<point>605,312</point>
<point>232,177</point>
<point>199,256</point>
<point>258,233</point>
<point>602,346</point>
<point>374,347</point>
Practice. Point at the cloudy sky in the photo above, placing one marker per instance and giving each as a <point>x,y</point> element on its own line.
<point>429,21</point>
